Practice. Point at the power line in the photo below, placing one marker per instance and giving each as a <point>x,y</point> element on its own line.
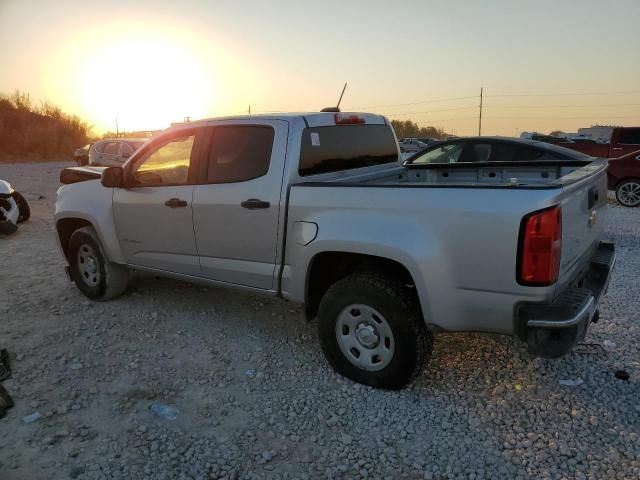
<point>565,106</point>
<point>629,92</point>
<point>565,118</point>
<point>442,100</point>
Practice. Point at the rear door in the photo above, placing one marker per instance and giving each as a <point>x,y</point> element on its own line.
<point>624,140</point>
<point>236,210</point>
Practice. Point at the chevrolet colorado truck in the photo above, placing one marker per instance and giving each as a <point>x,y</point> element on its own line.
<point>318,209</point>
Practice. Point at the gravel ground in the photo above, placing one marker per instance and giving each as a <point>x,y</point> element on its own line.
<point>256,399</point>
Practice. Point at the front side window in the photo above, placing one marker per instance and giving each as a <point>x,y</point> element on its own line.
<point>166,165</point>
<point>239,154</point>
<point>442,154</point>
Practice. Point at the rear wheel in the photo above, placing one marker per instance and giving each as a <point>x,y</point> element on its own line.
<point>24,212</point>
<point>628,193</point>
<point>371,330</point>
<point>91,271</point>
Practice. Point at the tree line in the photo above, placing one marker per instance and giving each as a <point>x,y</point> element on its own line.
<point>29,131</point>
<point>44,132</point>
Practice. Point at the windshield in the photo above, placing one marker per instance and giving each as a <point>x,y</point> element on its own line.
<point>336,148</point>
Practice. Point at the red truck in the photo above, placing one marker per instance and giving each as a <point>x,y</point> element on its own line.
<point>623,140</point>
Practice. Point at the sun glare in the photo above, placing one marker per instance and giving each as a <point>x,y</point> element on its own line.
<point>144,82</point>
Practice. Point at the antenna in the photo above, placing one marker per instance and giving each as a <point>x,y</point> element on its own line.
<point>341,95</point>
<point>337,107</point>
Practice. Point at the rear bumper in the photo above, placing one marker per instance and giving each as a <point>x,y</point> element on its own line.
<point>551,330</point>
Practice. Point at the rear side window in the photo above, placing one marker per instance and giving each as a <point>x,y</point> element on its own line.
<point>527,154</point>
<point>239,153</point>
<point>629,136</point>
<point>344,147</point>
<point>111,148</point>
<point>504,152</point>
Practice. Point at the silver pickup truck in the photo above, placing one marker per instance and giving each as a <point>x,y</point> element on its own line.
<point>318,209</point>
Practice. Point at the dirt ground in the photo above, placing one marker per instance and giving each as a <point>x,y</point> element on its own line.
<point>256,399</point>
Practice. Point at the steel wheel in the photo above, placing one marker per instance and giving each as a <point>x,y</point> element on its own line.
<point>628,193</point>
<point>364,337</point>
<point>88,265</point>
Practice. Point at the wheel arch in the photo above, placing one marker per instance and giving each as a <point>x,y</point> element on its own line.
<point>65,226</point>
<point>328,267</point>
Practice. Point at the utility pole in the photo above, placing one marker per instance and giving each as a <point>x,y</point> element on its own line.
<point>480,118</point>
<point>249,109</point>
<point>117,135</point>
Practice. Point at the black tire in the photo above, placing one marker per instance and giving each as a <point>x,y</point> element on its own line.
<point>23,207</point>
<point>413,343</point>
<point>628,193</point>
<point>6,401</point>
<point>90,270</point>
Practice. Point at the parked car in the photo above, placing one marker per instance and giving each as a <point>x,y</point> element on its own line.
<point>14,208</point>
<point>81,155</point>
<point>492,149</point>
<point>623,140</point>
<point>114,151</point>
<point>624,178</point>
<point>317,208</point>
<point>410,145</point>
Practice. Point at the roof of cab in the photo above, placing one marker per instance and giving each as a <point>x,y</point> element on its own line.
<point>313,119</point>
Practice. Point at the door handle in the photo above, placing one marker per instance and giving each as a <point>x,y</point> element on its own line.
<point>254,204</point>
<point>175,203</point>
<point>616,148</point>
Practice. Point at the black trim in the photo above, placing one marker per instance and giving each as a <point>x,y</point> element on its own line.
<point>523,224</point>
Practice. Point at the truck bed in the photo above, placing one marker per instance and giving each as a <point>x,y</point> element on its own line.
<point>459,224</point>
<point>542,174</point>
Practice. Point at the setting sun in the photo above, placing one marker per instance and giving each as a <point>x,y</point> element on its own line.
<point>143,82</point>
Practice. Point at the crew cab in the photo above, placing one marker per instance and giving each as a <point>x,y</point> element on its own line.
<point>319,209</point>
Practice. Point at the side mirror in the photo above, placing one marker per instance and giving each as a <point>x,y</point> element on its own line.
<point>112,177</point>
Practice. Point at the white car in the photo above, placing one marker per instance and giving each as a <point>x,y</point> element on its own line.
<point>411,145</point>
<point>14,208</point>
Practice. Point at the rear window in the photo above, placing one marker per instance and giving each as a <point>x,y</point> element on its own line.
<point>332,149</point>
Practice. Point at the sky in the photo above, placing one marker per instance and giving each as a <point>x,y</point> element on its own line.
<point>543,65</point>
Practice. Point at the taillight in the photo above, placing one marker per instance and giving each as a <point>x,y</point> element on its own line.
<point>347,119</point>
<point>540,246</point>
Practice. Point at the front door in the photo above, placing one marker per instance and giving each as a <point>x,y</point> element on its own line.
<point>236,210</point>
<point>153,214</point>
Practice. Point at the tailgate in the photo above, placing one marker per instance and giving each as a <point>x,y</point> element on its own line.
<point>584,206</point>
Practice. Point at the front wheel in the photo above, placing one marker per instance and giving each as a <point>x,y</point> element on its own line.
<point>90,269</point>
<point>371,331</point>
<point>628,193</point>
